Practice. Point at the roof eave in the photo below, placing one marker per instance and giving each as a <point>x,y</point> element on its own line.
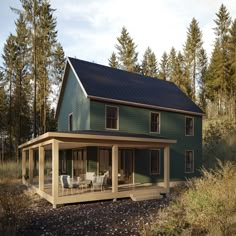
<point>144,105</point>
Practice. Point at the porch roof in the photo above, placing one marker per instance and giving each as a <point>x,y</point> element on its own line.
<point>78,139</point>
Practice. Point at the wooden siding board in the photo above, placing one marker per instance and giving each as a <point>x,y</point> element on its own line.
<point>136,120</point>
<point>74,101</point>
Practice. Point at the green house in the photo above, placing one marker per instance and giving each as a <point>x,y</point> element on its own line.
<point>101,100</point>
<point>140,130</point>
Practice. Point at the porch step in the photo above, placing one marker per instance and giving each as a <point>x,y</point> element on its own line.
<point>142,196</point>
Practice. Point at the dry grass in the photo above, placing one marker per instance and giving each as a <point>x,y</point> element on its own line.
<point>10,170</point>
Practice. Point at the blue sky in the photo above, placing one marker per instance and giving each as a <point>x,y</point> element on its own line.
<point>87,29</point>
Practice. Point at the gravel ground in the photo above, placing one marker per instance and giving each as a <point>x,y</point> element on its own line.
<point>122,217</point>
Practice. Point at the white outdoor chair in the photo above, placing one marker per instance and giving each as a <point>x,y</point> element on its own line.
<point>66,183</point>
<point>100,182</point>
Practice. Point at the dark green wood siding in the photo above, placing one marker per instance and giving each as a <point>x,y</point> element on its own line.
<point>172,126</point>
<point>74,101</point>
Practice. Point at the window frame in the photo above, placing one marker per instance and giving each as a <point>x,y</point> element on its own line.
<point>70,122</point>
<point>159,162</point>
<point>189,117</point>
<point>185,162</point>
<point>159,123</point>
<point>117,120</point>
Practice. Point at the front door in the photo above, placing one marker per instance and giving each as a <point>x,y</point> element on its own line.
<point>126,166</point>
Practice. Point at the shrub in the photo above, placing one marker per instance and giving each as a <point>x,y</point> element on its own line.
<point>210,202</point>
<point>208,206</point>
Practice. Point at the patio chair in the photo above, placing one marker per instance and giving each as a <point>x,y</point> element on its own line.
<point>66,183</point>
<point>100,182</point>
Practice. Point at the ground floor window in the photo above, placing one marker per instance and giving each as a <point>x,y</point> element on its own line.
<point>189,161</point>
<point>155,161</point>
<point>79,162</point>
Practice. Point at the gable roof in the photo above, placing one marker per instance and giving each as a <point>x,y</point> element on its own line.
<point>113,85</point>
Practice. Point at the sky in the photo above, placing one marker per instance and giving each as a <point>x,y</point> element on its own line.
<point>88,29</point>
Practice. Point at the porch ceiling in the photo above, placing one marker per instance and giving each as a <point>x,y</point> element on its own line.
<point>80,139</point>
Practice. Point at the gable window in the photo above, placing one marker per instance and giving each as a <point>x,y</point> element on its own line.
<point>155,122</point>
<point>112,115</point>
<point>189,126</point>
<point>70,122</point>
<point>155,162</point>
<point>189,162</point>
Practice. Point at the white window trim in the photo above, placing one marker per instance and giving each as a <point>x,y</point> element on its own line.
<point>188,172</point>
<point>186,125</point>
<point>159,169</point>
<point>118,117</point>
<point>150,122</point>
<point>70,114</point>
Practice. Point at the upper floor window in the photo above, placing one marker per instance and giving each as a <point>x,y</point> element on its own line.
<point>112,117</point>
<point>155,162</point>
<point>155,122</point>
<point>189,162</point>
<point>189,126</point>
<point>70,122</point>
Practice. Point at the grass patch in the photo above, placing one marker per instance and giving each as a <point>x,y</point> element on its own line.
<point>10,170</point>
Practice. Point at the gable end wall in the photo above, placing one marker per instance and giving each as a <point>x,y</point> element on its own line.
<point>74,101</point>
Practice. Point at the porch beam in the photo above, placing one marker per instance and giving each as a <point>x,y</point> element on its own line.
<point>55,170</point>
<point>31,165</point>
<point>23,162</point>
<point>115,168</point>
<point>41,168</point>
<point>167,168</point>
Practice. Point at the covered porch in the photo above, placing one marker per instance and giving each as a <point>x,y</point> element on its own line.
<point>50,188</point>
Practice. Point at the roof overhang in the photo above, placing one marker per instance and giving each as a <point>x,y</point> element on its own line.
<point>144,105</point>
<point>76,140</point>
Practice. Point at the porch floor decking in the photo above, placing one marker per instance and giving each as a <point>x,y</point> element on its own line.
<point>76,195</point>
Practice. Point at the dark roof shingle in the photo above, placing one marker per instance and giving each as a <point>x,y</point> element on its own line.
<point>105,82</point>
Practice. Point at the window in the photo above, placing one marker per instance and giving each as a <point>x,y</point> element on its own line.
<point>63,163</point>
<point>70,122</point>
<point>189,162</point>
<point>189,124</point>
<point>155,122</point>
<point>155,162</point>
<point>112,117</point>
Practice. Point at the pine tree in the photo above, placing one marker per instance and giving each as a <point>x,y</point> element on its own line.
<point>192,49</point>
<point>113,62</point>
<point>223,22</point>
<point>232,61</point>
<point>164,67</point>
<point>43,41</point>
<point>149,63</point>
<point>127,55</point>
<point>202,60</point>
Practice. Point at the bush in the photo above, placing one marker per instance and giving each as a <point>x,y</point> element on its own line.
<point>207,207</point>
<point>219,142</point>
<point>210,202</point>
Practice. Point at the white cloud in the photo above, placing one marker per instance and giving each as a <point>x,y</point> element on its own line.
<point>88,29</point>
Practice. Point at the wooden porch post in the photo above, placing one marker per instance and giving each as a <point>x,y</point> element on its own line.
<point>55,171</point>
<point>31,165</point>
<point>23,166</point>
<point>41,168</point>
<point>115,168</point>
<point>167,168</point>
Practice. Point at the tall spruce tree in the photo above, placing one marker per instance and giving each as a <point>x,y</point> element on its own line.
<point>127,55</point>
<point>232,61</point>
<point>202,60</point>
<point>43,41</point>
<point>164,67</point>
<point>149,63</point>
<point>223,22</point>
<point>113,62</point>
<point>192,49</point>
